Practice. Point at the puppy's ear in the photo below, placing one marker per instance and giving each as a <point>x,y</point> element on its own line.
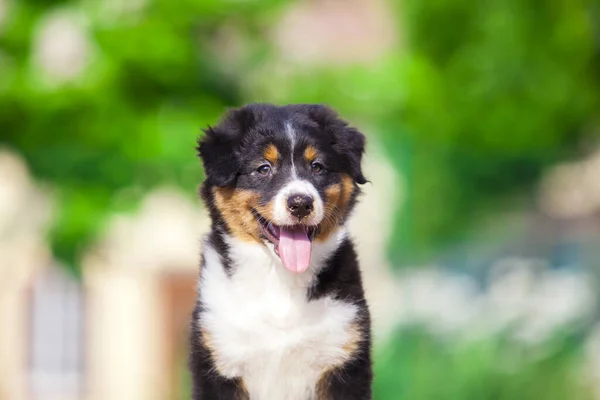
<point>348,142</point>
<point>218,148</point>
<point>351,144</point>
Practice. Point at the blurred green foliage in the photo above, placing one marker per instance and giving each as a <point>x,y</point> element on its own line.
<point>415,365</point>
<point>131,120</point>
<point>496,92</point>
<point>471,108</point>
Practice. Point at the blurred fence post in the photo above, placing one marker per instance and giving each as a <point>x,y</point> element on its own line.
<point>24,214</point>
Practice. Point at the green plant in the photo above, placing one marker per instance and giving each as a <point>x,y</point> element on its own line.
<point>129,121</point>
<point>414,365</point>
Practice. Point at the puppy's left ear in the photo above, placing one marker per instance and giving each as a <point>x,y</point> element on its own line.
<point>346,141</point>
<point>215,149</point>
<point>218,147</point>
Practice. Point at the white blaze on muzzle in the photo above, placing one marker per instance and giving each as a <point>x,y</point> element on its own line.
<point>294,243</point>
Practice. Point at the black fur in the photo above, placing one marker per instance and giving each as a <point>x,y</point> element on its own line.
<point>229,150</point>
<point>346,141</point>
<point>231,153</point>
<point>341,280</point>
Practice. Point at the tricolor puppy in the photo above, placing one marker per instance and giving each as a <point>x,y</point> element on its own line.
<point>281,313</point>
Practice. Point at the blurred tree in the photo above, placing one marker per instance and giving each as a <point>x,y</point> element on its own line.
<point>495,93</point>
<point>483,98</point>
<point>106,99</point>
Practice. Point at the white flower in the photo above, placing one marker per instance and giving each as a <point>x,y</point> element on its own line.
<point>511,283</point>
<point>443,302</point>
<point>524,298</point>
<point>61,47</point>
<point>560,298</point>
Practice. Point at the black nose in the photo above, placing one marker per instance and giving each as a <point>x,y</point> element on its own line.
<point>300,205</point>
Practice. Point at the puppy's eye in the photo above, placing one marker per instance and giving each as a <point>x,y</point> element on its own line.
<point>264,169</point>
<point>316,167</point>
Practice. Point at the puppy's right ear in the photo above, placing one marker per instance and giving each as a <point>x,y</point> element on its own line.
<point>348,142</point>
<point>218,148</point>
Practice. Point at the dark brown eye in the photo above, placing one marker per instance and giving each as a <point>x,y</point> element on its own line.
<point>316,167</point>
<point>264,169</point>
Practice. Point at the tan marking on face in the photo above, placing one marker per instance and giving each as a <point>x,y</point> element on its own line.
<point>271,154</point>
<point>349,349</point>
<point>310,154</point>
<point>337,198</point>
<point>235,205</point>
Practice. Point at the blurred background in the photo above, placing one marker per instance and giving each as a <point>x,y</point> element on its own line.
<point>479,235</point>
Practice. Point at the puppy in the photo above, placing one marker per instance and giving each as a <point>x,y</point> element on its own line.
<point>280,313</point>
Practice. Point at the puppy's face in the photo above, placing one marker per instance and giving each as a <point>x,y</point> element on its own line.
<point>282,175</point>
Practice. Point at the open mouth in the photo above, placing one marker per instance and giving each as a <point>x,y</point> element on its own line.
<point>292,243</point>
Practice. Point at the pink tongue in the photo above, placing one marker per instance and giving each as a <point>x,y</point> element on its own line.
<point>294,248</point>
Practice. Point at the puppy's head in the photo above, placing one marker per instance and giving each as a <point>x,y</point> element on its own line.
<point>282,175</point>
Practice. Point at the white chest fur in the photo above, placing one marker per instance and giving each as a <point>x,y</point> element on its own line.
<point>263,329</point>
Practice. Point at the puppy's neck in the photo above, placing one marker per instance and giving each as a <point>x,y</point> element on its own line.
<point>250,259</point>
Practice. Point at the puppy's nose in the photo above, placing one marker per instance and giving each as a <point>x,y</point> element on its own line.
<point>300,205</point>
